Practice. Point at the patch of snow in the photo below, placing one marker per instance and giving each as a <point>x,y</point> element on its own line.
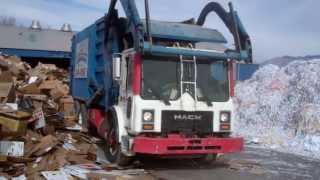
<point>279,108</point>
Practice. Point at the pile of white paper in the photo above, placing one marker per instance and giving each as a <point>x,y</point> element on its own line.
<point>280,107</point>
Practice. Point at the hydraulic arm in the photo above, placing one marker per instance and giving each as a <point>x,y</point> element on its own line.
<point>233,23</point>
<point>243,50</point>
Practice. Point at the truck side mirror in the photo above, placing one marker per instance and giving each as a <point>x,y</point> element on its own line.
<point>116,66</point>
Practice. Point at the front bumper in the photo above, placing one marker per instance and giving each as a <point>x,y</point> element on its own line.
<point>178,145</point>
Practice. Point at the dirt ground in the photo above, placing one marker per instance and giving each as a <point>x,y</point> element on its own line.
<point>252,164</point>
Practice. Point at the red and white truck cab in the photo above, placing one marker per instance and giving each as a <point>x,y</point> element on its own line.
<point>170,106</point>
<point>147,88</point>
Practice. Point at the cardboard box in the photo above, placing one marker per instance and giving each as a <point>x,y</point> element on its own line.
<point>3,158</point>
<point>7,93</point>
<point>30,89</point>
<point>16,122</point>
<point>59,92</point>
<point>49,84</point>
<point>67,107</point>
<point>45,145</point>
<point>37,97</point>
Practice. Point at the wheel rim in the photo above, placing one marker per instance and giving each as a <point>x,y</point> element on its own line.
<point>80,118</point>
<point>112,141</point>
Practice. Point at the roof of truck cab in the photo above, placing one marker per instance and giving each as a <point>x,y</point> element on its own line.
<point>181,31</point>
<point>184,32</point>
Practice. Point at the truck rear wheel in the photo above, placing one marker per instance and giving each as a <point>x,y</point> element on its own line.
<point>113,146</point>
<point>83,116</point>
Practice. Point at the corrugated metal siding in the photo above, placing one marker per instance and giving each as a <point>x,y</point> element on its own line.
<point>29,39</point>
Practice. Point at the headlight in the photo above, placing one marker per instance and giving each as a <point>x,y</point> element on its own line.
<point>148,115</point>
<point>225,117</point>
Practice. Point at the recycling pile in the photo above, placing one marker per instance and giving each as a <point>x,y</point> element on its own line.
<point>279,107</point>
<point>39,133</point>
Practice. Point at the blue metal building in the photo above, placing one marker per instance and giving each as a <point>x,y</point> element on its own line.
<point>35,43</point>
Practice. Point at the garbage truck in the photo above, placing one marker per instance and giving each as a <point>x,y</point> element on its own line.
<point>150,87</point>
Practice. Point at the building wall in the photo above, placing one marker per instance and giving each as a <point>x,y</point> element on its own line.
<point>26,42</point>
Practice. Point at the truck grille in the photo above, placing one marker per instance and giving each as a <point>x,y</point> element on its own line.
<point>200,122</point>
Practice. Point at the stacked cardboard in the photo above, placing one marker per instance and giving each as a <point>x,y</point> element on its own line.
<point>35,112</point>
<point>39,134</point>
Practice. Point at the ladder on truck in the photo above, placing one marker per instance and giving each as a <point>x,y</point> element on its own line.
<point>184,79</point>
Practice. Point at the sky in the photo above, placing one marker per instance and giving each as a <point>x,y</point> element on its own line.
<point>276,27</point>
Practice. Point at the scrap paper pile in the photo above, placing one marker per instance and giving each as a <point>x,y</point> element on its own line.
<point>279,107</point>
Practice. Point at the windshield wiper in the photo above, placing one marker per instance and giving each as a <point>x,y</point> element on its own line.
<point>157,93</point>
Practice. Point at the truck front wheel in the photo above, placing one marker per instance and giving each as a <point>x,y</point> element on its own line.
<point>113,146</point>
<point>208,158</point>
<point>82,115</point>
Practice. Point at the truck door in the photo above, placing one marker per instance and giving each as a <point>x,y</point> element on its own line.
<point>126,92</point>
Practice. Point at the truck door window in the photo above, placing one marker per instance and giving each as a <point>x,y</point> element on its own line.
<point>129,63</point>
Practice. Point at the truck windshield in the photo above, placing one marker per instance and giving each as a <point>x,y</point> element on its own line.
<point>161,80</point>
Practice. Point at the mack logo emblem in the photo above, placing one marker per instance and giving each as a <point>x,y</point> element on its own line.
<point>186,121</point>
<point>187,117</point>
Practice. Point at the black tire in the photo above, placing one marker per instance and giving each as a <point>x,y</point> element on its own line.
<point>82,113</point>
<point>113,147</point>
<point>208,158</point>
